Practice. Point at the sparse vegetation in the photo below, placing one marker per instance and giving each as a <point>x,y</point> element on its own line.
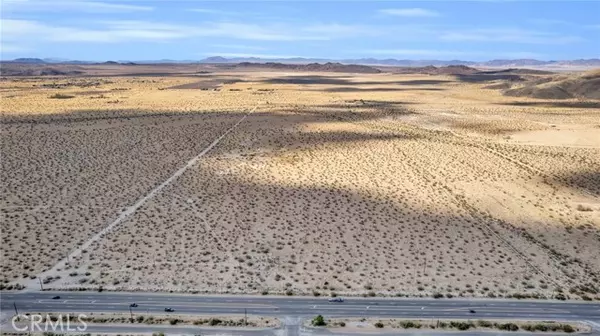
<point>212,321</point>
<point>318,321</point>
<point>61,96</point>
<point>393,167</point>
<point>464,325</point>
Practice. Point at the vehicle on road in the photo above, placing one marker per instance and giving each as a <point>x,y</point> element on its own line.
<point>55,297</point>
<point>336,299</point>
<point>133,305</point>
<point>169,310</point>
<point>471,311</point>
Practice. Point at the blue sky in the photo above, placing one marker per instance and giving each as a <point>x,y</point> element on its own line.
<point>150,30</point>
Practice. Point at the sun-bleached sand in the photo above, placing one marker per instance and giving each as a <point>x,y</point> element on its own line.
<point>348,183</point>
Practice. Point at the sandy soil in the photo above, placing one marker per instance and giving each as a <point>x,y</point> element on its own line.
<point>356,325</point>
<point>342,183</point>
<point>170,319</point>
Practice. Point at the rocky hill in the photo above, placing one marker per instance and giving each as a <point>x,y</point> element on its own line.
<point>585,86</point>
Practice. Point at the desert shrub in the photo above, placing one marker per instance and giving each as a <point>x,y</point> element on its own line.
<point>371,294</point>
<point>508,326</point>
<point>61,96</point>
<point>265,292</point>
<point>460,325</point>
<point>139,319</point>
<point>379,325</point>
<point>568,328</point>
<point>173,321</point>
<point>318,321</point>
<point>485,324</point>
<point>315,293</point>
<point>528,327</point>
<point>582,207</point>
<point>560,296</point>
<point>342,324</point>
<point>449,296</point>
<point>586,298</point>
<point>289,293</point>
<point>409,324</point>
<point>214,321</point>
<point>438,295</point>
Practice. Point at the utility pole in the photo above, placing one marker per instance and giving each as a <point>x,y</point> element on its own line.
<point>245,318</point>
<point>131,313</point>
<point>16,311</point>
<point>41,286</point>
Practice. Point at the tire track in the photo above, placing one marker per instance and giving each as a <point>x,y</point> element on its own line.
<point>138,204</point>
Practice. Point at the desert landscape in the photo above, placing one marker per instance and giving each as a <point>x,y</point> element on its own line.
<point>304,180</point>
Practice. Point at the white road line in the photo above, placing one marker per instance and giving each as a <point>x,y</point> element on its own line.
<point>132,209</point>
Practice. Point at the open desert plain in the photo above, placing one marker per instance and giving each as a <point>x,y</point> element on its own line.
<point>256,180</point>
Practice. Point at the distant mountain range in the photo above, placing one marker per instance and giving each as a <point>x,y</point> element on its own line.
<point>594,62</point>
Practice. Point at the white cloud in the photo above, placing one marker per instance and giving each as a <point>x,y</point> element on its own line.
<point>409,12</point>
<point>443,54</point>
<point>130,31</point>
<point>246,31</point>
<point>417,52</point>
<point>112,31</point>
<point>508,35</point>
<point>237,46</point>
<point>549,22</point>
<point>70,5</point>
<point>211,11</point>
<point>11,48</point>
<point>245,55</point>
<point>335,30</point>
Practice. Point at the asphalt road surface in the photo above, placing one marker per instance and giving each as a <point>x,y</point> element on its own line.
<point>291,310</point>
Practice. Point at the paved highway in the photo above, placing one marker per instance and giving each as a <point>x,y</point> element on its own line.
<point>296,308</point>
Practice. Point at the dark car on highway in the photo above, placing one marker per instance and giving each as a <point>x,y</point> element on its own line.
<point>336,299</point>
<point>55,297</point>
<point>169,310</point>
